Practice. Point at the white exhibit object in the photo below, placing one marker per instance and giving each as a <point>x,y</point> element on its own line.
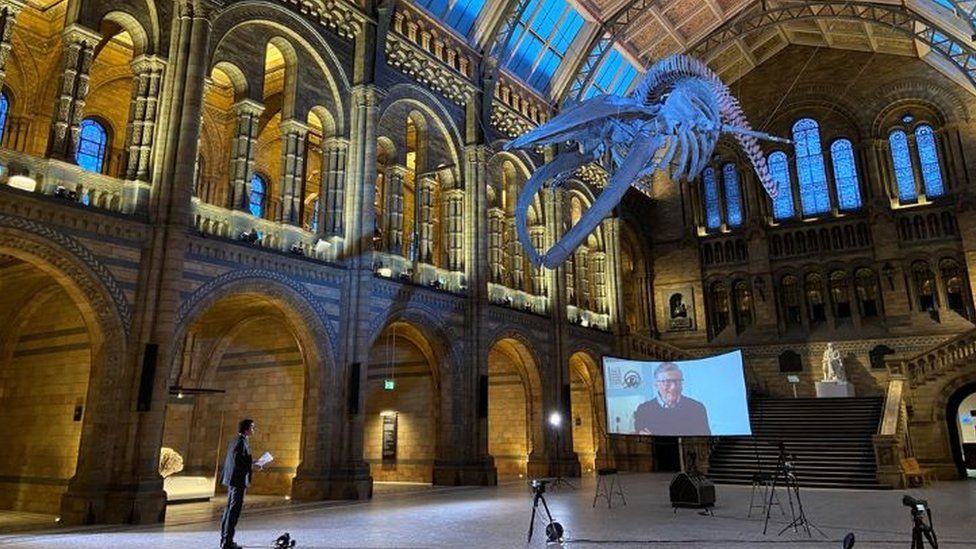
<point>187,488</point>
<point>833,365</point>
<point>23,183</point>
<point>835,389</point>
<point>265,459</point>
<point>670,122</point>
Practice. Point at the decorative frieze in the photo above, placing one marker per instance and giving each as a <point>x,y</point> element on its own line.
<point>339,16</point>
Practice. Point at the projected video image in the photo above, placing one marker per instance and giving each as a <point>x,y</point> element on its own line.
<point>704,397</point>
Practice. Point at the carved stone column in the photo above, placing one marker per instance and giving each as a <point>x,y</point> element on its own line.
<point>425,219</point>
<point>537,234</point>
<point>69,109</point>
<point>140,131</point>
<point>496,220</point>
<point>332,461</point>
<point>393,224</point>
<point>8,16</point>
<point>333,187</point>
<point>117,478</point>
<point>248,113</point>
<point>292,193</point>
<point>454,228</point>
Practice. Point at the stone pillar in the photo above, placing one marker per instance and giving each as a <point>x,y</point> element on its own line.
<point>454,229</point>
<point>292,193</point>
<point>464,458</point>
<point>496,220</point>
<point>613,295</point>
<point>393,224</point>
<point>117,478</point>
<point>600,282</point>
<point>333,187</point>
<point>516,254</point>
<point>140,131</point>
<point>8,17</point>
<point>537,234</point>
<point>332,464</point>
<point>79,51</point>
<point>424,225</point>
<point>248,114</point>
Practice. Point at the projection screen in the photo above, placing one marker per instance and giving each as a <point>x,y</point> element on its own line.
<point>703,397</point>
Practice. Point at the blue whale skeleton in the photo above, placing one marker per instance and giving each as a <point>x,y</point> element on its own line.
<point>674,117</point>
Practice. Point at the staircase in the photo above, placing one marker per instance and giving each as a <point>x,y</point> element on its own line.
<point>830,437</point>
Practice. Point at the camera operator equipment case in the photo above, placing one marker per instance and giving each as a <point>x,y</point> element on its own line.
<point>692,490</point>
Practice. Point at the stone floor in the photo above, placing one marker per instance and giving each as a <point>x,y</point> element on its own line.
<point>423,516</point>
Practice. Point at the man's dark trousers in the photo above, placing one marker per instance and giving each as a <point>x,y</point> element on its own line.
<point>235,502</point>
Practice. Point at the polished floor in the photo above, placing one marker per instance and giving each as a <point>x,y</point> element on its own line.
<point>423,516</point>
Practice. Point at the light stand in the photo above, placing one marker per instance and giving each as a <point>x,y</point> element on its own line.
<point>554,530</point>
<point>922,523</point>
<point>556,421</point>
<point>784,473</point>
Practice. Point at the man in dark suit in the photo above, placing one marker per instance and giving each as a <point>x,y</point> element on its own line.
<point>237,477</point>
<point>671,413</point>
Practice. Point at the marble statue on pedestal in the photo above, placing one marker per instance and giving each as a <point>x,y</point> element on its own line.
<point>833,365</point>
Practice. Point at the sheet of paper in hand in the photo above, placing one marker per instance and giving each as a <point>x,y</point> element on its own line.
<point>265,459</point>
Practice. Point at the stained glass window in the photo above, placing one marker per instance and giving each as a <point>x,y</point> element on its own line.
<point>259,186</point>
<point>614,76</point>
<point>713,213</point>
<point>733,195</point>
<point>92,141</point>
<point>4,109</point>
<point>845,175</point>
<point>780,170</point>
<point>541,39</point>
<point>459,14</point>
<point>929,158</point>
<point>814,197</point>
<point>902,161</point>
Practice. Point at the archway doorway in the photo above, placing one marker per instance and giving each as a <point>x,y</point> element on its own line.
<point>588,431</point>
<point>961,423</point>
<point>402,406</point>
<point>514,407</point>
<point>49,345</point>
<point>241,358</point>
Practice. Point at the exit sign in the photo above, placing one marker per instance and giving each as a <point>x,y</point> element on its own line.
<point>389,384</point>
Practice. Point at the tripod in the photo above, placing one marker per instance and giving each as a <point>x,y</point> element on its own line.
<point>559,480</point>
<point>784,474</point>
<point>554,530</point>
<point>922,523</point>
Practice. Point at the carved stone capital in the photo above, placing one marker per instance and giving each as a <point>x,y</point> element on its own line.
<point>78,34</point>
<point>293,126</point>
<point>248,107</point>
<point>145,64</point>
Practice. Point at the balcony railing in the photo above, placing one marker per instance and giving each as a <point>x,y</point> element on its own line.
<point>209,219</point>
<point>68,181</point>
<point>587,318</point>
<point>517,299</point>
<point>397,267</point>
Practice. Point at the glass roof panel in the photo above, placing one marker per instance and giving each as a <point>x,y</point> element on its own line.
<point>544,34</point>
<point>614,76</point>
<point>459,14</point>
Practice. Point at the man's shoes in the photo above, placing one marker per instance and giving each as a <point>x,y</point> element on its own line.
<point>230,545</point>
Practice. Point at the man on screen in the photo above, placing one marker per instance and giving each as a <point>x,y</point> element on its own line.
<point>671,413</point>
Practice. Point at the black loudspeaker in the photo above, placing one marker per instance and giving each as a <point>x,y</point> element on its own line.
<point>353,394</point>
<point>483,397</point>
<point>692,490</point>
<point>149,356</point>
<point>567,401</point>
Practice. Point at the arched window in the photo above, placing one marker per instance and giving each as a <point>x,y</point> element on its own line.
<point>713,212</point>
<point>845,175</point>
<point>813,288</point>
<point>840,294</point>
<point>867,292</point>
<point>4,109</point>
<point>733,195</point>
<point>790,297</point>
<point>92,141</point>
<point>742,296</point>
<point>924,280</point>
<point>902,161</point>
<point>720,307</point>
<point>814,198</point>
<point>259,188</point>
<point>952,277</point>
<point>929,159</point>
<point>780,170</point>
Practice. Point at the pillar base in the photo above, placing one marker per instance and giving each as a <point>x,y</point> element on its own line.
<point>135,197</point>
<point>465,473</point>
<point>554,467</point>
<point>104,504</point>
<point>353,482</point>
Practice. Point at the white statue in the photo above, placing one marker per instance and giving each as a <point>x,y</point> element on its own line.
<point>833,365</point>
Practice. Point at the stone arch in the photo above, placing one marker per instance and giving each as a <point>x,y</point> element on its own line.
<point>307,41</point>
<point>437,117</point>
<point>142,43</point>
<point>235,75</point>
<point>941,101</point>
<point>104,400</point>
<point>516,417</point>
<point>415,359</point>
<point>587,408</point>
<point>139,17</point>
<point>290,338</point>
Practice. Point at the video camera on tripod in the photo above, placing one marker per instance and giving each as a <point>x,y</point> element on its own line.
<point>921,522</point>
<point>539,485</point>
<point>554,530</point>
